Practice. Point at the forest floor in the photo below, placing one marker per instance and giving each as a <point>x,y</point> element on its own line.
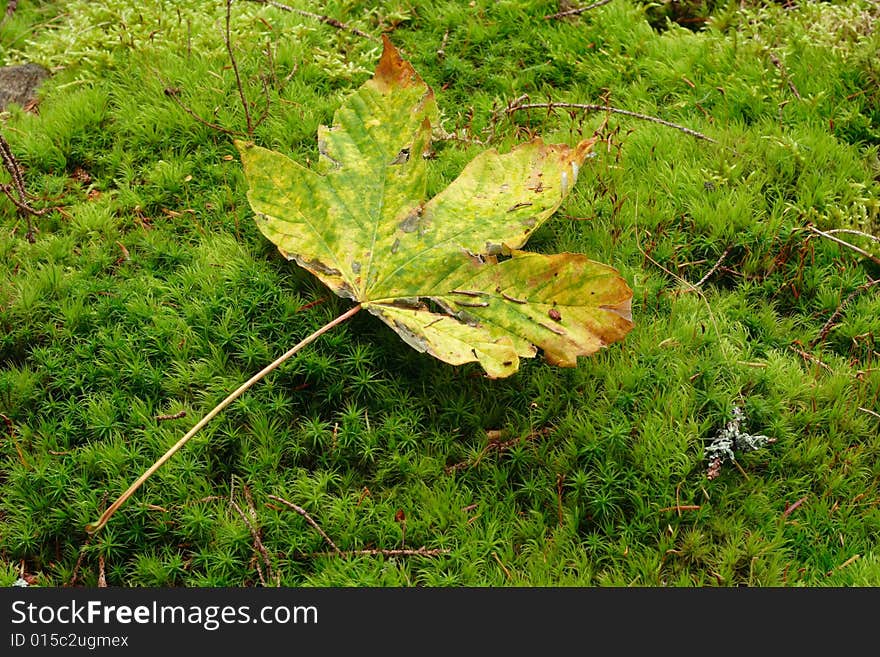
<point>145,294</point>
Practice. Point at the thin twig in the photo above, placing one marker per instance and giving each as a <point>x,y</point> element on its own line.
<point>831,237</point>
<point>688,284</point>
<point>714,268</point>
<point>255,534</point>
<point>417,552</point>
<point>839,311</point>
<point>82,555</point>
<point>853,558</point>
<point>575,12</point>
<point>869,412</point>
<point>560,478</point>
<point>778,65</point>
<point>441,52</point>
<point>171,416</point>
<point>252,512</point>
<point>95,526</point>
<point>741,471</point>
<point>503,567</point>
<point>311,304</point>
<point>244,102</point>
<point>680,507</point>
<point>853,232</point>
<point>13,167</point>
<point>266,109</point>
<point>11,429</point>
<point>810,357</point>
<point>301,511</point>
<point>790,509</point>
<point>588,107</point>
<point>497,445</point>
<point>21,203</point>
<point>102,575</point>
<point>318,17</point>
<point>172,93</point>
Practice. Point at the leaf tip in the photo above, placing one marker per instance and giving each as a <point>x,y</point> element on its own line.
<point>243,145</point>
<point>584,147</point>
<point>393,70</point>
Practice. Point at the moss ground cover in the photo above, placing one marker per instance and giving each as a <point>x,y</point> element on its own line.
<point>150,294</point>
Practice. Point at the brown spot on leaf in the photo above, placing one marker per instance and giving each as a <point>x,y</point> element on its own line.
<point>555,315</point>
<point>393,70</point>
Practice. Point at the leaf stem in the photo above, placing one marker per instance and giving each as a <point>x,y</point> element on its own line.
<point>93,527</point>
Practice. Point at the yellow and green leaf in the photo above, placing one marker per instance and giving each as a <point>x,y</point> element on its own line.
<point>447,274</point>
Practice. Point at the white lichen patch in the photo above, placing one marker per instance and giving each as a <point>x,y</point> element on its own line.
<point>729,440</point>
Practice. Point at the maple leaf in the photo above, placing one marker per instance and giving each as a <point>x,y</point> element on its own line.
<point>361,224</point>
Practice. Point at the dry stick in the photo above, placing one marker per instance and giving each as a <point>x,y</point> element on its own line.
<point>810,357</point>
<point>831,237</point>
<point>301,511</point>
<point>21,203</point>
<point>170,416</point>
<point>869,412</point>
<point>266,109</point>
<point>12,166</point>
<point>95,526</point>
<point>244,103</point>
<point>102,575</point>
<point>575,12</point>
<point>714,268</point>
<point>82,555</point>
<point>853,558</point>
<point>778,64</point>
<point>11,428</point>
<point>788,511</point>
<point>853,232</point>
<point>614,110</point>
<point>496,445</point>
<point>837,313</point>
<point>441,53</point>
<point>559,480</point>
<point>252,512</point>
<point>258,544</point>
<point>680,507</point>
<point>172,94</point>
<point>681,280</point>
<point>417,552</point>
<point>503,567</point>
<point>318,17</point>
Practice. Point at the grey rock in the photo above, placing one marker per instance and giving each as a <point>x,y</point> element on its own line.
<point>19,84</point>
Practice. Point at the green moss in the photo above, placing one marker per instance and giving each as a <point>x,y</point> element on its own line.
<point>152,294</point>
